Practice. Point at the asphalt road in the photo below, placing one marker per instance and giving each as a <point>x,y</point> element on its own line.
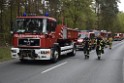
<point>69,69</point>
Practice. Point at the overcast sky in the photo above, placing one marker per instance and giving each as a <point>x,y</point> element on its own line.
<point>121,5</point>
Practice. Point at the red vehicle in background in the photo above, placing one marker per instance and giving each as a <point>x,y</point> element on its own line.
<point>118,36</point>
<point>82,35</point>
<point>80,40</point>
<point>41,38</point>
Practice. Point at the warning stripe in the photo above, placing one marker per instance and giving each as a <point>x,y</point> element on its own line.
<point>61,32</point>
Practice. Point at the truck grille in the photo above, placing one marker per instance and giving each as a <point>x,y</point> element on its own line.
<point>29,42</point>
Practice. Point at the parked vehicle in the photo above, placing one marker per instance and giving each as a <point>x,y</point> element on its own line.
<point>41,38</point>
<point>80,40</point>
<point>118,36</point>
<point>82,35</point>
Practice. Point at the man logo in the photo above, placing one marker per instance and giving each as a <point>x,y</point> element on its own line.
<point>28,42</point>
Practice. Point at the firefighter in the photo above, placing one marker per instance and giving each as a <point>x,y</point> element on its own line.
<point>86,47</point>
<point>103,44</point>
<point>100,44</point>
<point>93,43</point>
<point>110,39</point>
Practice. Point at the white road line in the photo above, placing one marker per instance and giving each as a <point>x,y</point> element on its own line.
<point>47,70</point>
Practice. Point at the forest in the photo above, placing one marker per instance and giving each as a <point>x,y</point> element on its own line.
<point>82,14</point>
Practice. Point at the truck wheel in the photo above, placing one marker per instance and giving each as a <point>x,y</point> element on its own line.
<point>22,60</point>
<point>55,55</point>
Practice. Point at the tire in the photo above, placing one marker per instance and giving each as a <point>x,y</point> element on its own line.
<point>23,60</point>
<point>55,55</point>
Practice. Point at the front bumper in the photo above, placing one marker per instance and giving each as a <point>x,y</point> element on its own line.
<point>31,54</point>
<point>79,46</point>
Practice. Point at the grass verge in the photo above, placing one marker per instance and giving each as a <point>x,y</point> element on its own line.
<point>4,54</point>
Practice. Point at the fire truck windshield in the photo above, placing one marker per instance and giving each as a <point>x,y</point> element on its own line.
<point>82,36</point>
<point>34,25</point>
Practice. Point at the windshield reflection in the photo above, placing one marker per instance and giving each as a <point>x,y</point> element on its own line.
<point>30,25</point>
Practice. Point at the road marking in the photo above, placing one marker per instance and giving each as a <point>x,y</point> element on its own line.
<point>47,70</point>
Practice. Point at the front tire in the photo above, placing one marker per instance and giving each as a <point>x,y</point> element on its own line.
<point>55,55</point>
<point>22,60</point>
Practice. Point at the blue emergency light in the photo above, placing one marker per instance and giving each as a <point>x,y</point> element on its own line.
<point>46,14</point>
<point>24,14</point>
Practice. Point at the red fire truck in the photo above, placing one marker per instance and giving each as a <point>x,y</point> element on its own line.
<point>118,36</point>
<point>41,38</point>
<point>82,35</point>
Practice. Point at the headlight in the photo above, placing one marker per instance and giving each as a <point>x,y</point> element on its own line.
<point>13,51</point>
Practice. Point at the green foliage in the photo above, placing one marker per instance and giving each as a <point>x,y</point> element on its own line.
<point>4,54</point>
<point>120,28</point>
<point>107,14</point>
<point>78,13</point>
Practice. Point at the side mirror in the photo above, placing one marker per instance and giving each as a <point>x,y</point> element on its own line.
<point>46,35</point>
<point>11,32</point>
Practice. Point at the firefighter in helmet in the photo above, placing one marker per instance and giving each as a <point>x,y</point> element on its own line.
<point>110,39</point>
<point>86,47</point>
<point>100,44</point>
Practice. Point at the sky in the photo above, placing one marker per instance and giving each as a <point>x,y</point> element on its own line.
<point>121,5</point>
